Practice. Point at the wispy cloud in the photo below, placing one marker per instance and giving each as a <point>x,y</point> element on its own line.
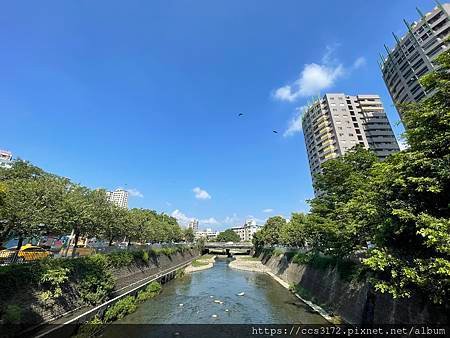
<point>201,194</point>
<point>267,210</point>
<point>231,220</point>
<point>295,123</point>
<point>135,193</point>
<point>359,62</point>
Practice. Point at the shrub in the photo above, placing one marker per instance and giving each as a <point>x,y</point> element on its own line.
<point>301,258</point>
<point>52,280</point>
<point>120,259</point>
<point>151,291</point>
<point>95,279</point>
<point>120,309</point>
<point>12,314</point>
<point>145,257</point>
<point>277,252</point>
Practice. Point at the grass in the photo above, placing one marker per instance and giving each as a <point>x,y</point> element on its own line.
<point>196,263</point>
<point>207,256</point>
<point>346,269</point>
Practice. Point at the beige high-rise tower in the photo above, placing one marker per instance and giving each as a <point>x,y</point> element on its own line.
<point>337,122</point>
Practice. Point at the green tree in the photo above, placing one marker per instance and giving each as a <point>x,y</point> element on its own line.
<point>30,207</point>
<point>272,228</point>
<point>189,235</point>
<point>411,199</point>
<point>293,232</point>
<point>228,236</point>
<point>338,221</point>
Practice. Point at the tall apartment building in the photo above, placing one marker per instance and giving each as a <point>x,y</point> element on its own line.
<point>194,225</point>
<point>119,197</point>
<point>337,122</point>
<point>413,54</point>
<point>5,158</point>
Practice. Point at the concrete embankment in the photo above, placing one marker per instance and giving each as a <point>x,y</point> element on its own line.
<point>251,264</point>
<point>26,296</point>
<point>201,263</point>
<point>351,300</point>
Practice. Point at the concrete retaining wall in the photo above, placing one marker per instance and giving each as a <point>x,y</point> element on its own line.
<point>353,301</point>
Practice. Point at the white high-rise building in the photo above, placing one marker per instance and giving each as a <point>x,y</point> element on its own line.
<point>119,197</point>
<point>414,54</point>
<point>5,158</point>
<point>335,123</point>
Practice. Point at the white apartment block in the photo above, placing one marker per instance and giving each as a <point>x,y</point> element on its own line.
<point>247,231</point>
<point>208,234</point>
<point>336,123</point>
<point>6,158</point>
<point>119,197</point>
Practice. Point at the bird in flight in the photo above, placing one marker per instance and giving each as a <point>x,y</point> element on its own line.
<point>274,131</point>
<point>241,114</point>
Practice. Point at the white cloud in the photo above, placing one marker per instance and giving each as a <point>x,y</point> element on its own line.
<point>313,78</point>
<point>184,220</point>
<point>295,124</point>
<point>135,193</point>
<point>317,76</point>
<point>268,210</point>
<point>359,62</point>
<point>181,217</point>
<point>201,194</point>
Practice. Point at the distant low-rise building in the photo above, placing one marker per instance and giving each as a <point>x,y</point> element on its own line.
<point>207,234</point>
<point>246,231</point>
<point>6,158</point>
<point>119,197</point>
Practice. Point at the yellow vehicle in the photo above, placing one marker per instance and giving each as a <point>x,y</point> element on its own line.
<point>27,253</point>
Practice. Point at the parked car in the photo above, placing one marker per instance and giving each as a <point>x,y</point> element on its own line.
<point>27,253</point>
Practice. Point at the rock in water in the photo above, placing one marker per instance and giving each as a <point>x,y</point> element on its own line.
<point>180,304</point>
<point>241,294</point>
<point>214,316</point>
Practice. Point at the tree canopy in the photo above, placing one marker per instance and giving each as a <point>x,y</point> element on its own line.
<point>228,236</point>
<point>35,203</point>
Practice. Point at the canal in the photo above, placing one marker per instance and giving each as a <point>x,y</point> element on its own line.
<point>211,297</point>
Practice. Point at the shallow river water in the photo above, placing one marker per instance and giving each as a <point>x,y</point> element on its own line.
<point>190,300</point>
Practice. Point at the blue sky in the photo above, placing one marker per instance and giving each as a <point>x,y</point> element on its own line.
<point>145,94</point>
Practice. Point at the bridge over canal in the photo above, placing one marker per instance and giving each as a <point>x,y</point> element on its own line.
<point>228,248</point>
